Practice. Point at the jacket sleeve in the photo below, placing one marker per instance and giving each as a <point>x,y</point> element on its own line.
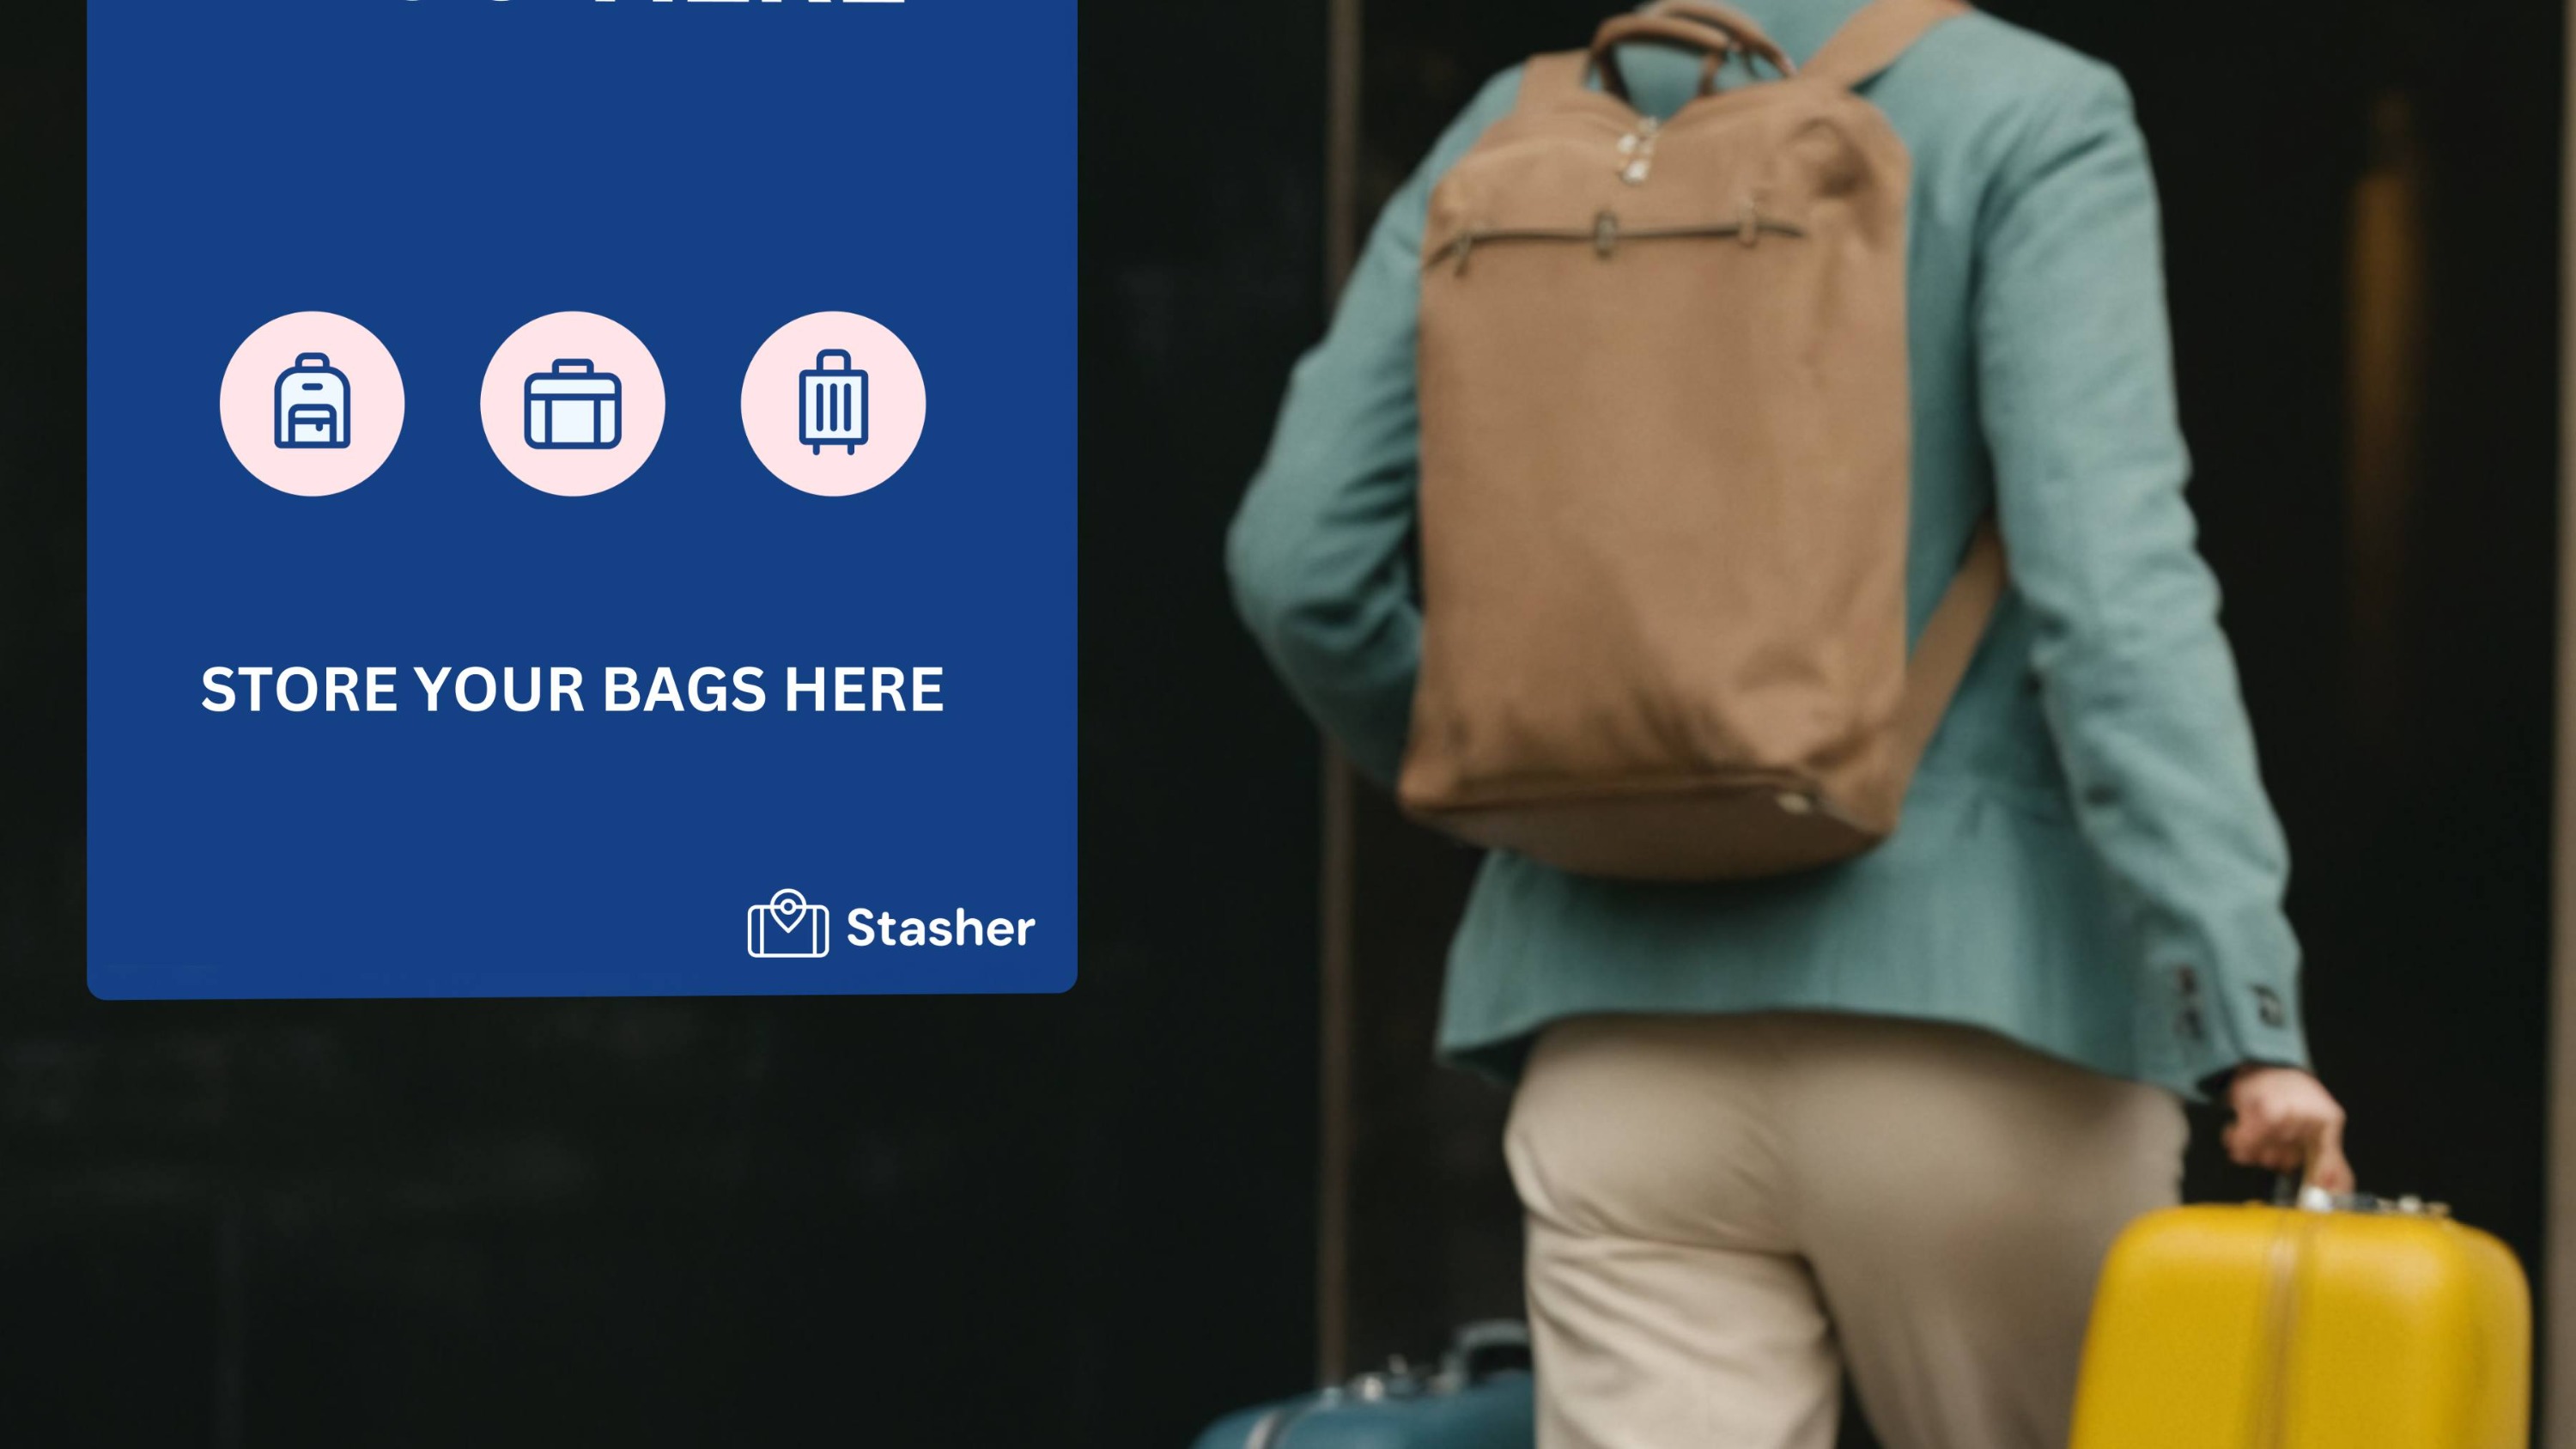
<point>2075,379</point>
<point>1318,552</point>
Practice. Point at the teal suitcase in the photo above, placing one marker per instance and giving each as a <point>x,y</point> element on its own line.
<point>1479,1398</point>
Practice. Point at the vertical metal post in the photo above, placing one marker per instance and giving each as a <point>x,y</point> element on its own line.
<point>1335,1044</point>
<point>1336,1071</point>
<point>2385,329</point>
<point>1341,145</point>
<point>2557,1314</point>
<point>232,1319</point>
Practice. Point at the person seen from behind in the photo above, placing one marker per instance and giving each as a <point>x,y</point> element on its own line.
<point>1882,1115</point>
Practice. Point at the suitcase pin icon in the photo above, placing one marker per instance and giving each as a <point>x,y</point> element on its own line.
<point>573,405</point>
<point>312,404</point>
<point>832,403</point>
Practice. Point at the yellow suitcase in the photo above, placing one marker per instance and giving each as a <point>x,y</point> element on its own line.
<point>2367,1322</point>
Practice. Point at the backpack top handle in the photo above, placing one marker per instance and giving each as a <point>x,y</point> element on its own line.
<point>1712,30</point>
<point>1710,13</point>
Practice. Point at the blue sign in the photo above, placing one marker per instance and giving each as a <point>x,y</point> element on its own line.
<point>572,543</point>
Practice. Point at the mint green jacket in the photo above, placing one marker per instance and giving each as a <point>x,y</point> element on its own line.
<point>2087,863</point>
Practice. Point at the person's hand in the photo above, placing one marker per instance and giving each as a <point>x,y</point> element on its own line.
<point>2286,1119</point>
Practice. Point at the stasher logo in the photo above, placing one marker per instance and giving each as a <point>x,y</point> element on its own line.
<point>787,925</point>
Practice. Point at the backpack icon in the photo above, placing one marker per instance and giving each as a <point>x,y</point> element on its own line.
<point>312,404</point>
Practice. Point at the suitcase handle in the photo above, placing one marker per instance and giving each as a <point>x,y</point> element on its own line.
<point>1271,1430</point>
<point>2293,1190</point>
<point>823,360</point>
<point>572,364</point>
<point>2289,1190</point>
<point>312,359</point>
<point>1486,1348</point>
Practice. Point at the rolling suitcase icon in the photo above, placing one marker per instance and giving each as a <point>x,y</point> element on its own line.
<point>312,404</point>
<point>832,403</point>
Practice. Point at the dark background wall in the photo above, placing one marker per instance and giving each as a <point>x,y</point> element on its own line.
<point>1090,1219</point>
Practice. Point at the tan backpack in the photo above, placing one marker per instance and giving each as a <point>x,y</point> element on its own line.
<point>1665,468</point>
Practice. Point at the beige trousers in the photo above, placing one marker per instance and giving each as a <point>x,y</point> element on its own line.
<point>1725,1212</point>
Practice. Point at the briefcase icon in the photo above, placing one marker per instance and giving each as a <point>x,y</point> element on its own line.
<point>788,926</point>
<point>832,403</point>
<point>573,405</point>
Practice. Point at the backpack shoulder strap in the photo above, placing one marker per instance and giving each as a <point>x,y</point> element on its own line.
<point>1947,644</point>
<point>1547,80</point>
<point>1871,40</point>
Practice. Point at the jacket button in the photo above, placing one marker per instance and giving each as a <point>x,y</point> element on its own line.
<point>2267,1003</point>
<point>2191,1023</point>
<point>2187,980</point>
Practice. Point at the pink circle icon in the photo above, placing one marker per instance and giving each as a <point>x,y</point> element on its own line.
<point>833,403</point>
<point>572,404</point>
<point>312,404</point>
